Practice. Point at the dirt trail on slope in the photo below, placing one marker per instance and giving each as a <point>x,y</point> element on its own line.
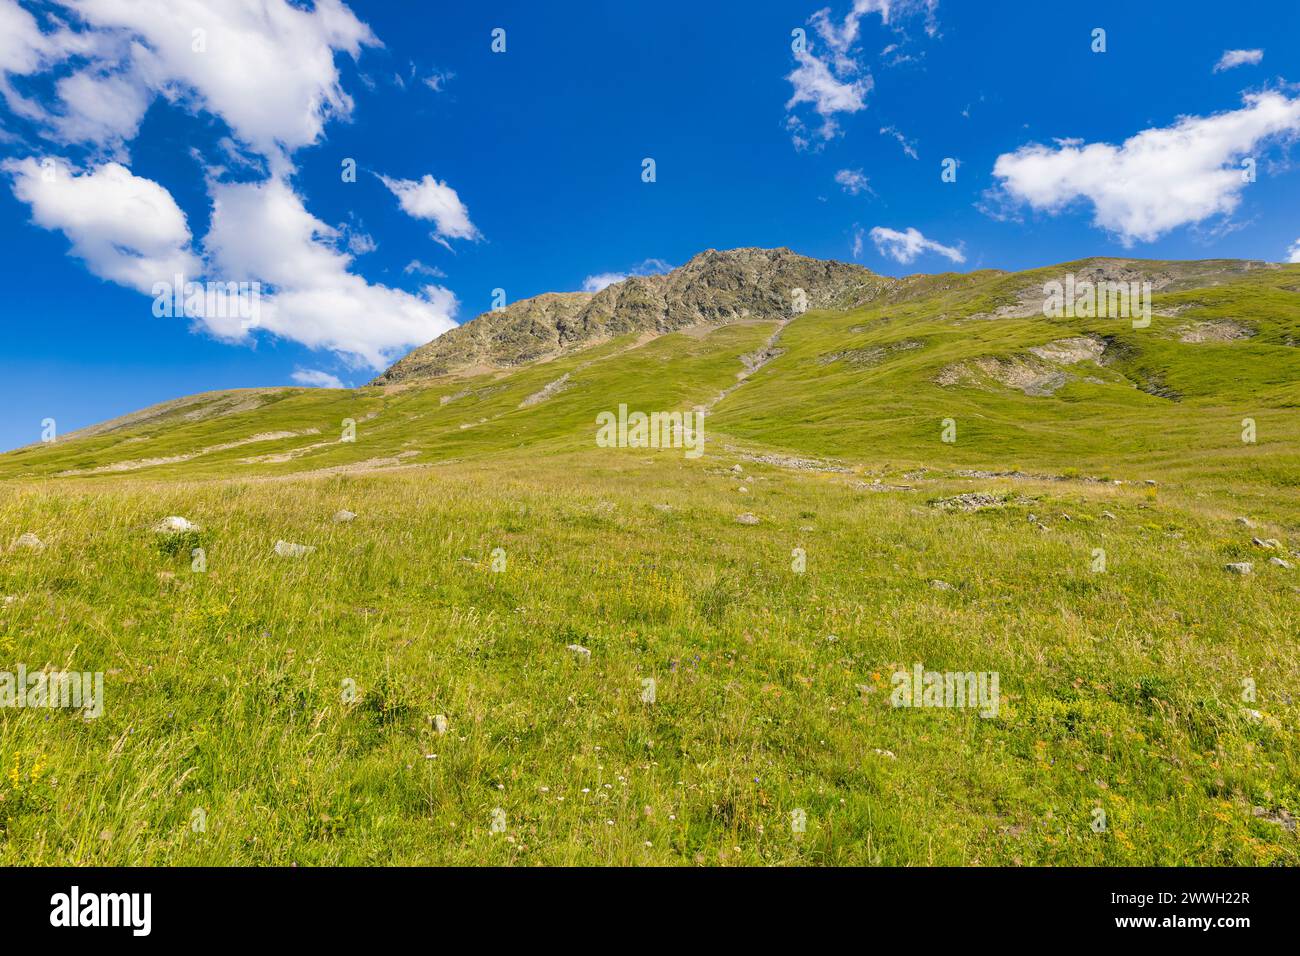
<point>753,361</point>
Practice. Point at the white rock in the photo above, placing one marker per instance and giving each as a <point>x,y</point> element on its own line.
<point>737,469</point>
<point>1241,567</point>
<point>1246,521</point>
<point>440,723</point>
<point>287,549</point>
<point>941,585</point>
<point>1270,544</point>
<point>742,489</point>
<point>746,518</point>
<point>29,540</point>
<point>344,516</point>
<point>1280,562</point>
<point>582,652</point>
<point>174,524</point>
<point>1108,516</point>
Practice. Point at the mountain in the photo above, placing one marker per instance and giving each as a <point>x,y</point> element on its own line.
<point>865,375</point>
<point>713,288</point>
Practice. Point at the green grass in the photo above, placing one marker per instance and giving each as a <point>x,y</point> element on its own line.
<point>227,690</point>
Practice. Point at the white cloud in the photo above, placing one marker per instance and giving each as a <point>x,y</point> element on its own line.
<point>853,181</point>
<point>838,82</point>
<point>264,66</point>
<point>315,378</point>
<point>906,246</point>
<point>415,265</point>
<point>262,232</point>
<point>603,280</point>
<point>125,228</point>
<point>437,202</point>
<point>1158,179</point>
<point>438,80</point>
<point>909,146</point>
<point>1293,255</point>
<point>858,234</point>
<point>814,83</point>
<point>1232,58</point>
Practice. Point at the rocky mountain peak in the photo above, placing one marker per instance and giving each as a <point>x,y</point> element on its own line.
<point>713,288</point>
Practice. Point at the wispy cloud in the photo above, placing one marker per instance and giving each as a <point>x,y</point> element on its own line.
<point>314,378</point>
<point>909,146</point>
<point>905,246</point>
<point>853,181</point>
<point>1234,58</point>
<point>603,280</point>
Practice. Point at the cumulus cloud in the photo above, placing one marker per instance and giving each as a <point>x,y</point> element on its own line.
<point>1294,254</point>
<point>266,67</point>
<point>315,378</point>
<point>1232,58</point>
<point>262,232</point>
<point>853,181</point>
<point>905,246</point>
<point>1156,180</point>
<point>436,202</point>
<point>126,229</point>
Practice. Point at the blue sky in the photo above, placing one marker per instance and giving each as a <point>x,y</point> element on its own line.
<point>132,146</point>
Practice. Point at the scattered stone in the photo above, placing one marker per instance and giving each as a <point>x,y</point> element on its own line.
<point>440,723</point>
<point>582,653</point>
<point>1033,519</point>
<point>29,540</point>
<point>970,501</point>
<point>737,469</point>
<point>9,599</point>
<point>941,585</point>
<point>886,753</point>
<point>1252,715</point>
<point>1280,562</point>
<point>344,516</point>
<point>663,509</point>
<point>1282,818</point>
<point>1149,481</point>
<point>287,549</point>
<point>1246,521</point>
<point>746,518</point>
<point>742,489</point>
<point>175,524</point>
<point>1240,567</point>
<point>1270,544</point>
<point>830,638</point>
<point>1108,516</point>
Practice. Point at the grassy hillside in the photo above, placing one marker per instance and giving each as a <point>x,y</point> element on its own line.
<point>1124,683</point>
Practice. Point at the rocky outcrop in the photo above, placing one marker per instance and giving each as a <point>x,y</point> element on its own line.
<point>714,288</point>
